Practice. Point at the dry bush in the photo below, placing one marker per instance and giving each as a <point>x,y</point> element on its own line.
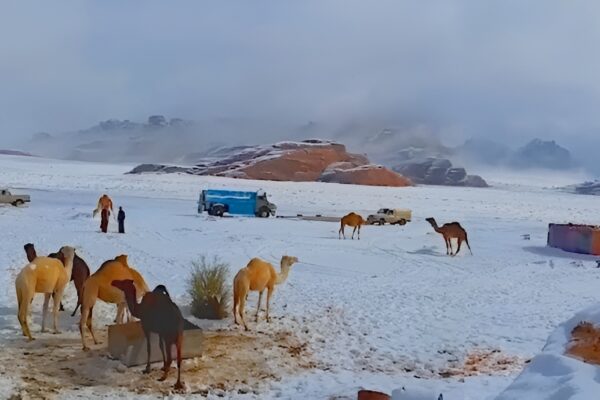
<point>208,288</point>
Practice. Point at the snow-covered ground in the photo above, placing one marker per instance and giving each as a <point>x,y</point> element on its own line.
<point>387,311</point>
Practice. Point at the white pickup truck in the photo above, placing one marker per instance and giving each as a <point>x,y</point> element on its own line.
<point>15,199</point>
<point>391,216</point>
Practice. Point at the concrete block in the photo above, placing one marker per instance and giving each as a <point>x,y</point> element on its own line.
<point>127,343</point>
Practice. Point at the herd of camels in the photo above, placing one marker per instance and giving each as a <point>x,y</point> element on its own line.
<point>118,283</point>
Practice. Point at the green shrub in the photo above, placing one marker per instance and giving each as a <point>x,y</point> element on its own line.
<point>208,288</point>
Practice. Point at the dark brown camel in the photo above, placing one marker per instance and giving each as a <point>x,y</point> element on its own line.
<point>449,231</point>
<point>160,315</point>
<point>80,273</point>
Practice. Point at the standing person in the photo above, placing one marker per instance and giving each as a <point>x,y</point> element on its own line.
<point>121,218</point>
<point>104,220</point>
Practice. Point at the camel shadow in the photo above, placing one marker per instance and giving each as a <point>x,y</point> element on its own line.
<point>428,251</point>
<point>559,253</point>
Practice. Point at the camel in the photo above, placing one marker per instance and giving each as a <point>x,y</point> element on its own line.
<point>158,314</point>
<point>351,219</point>
<point>43,275</point>
<point>98,286</point>
<point>80,272</point>
<point>257,276</point>
<point>449,231</point>
<point>104,203</point>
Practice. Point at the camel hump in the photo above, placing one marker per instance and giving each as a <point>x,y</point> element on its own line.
<point>122,259</point>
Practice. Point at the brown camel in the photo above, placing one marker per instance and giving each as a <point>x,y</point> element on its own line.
<point>351,219</point>
<point>104,203</point>
<point>43,275</point>
<point>158,314</point>
<point>257,276</point>
<point>449,231</point>
<point>80,272</point>
<point>98,286</point>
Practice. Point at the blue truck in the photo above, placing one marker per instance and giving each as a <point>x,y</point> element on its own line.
<point>219,202</point>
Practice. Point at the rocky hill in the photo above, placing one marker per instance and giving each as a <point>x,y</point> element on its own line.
<point>438,171</point>
<point>305,161</point>
<point>542,154</point>
<point>15,153</point>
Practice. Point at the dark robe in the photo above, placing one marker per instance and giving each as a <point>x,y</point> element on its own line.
<point>121,219</point>
<point>104,220</point>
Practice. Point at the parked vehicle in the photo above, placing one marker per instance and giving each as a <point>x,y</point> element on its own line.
<point>219,202</point>
<point>6,197</point>
<point>390,216</point>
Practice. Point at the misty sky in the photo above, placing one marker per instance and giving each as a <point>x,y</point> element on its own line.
<point>505,69</point>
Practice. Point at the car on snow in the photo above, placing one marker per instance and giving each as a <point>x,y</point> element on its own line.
<point>6,197</point>
<point>391,216</point>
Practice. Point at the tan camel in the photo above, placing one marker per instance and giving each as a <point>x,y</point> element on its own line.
<point>43,275</point>
<point>351,219</point>
<point>104,203</point>
<point>449,231</point>
<point>257,276</point>
<point>99,286</point>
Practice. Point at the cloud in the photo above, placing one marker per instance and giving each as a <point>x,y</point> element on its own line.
<point>511,69</point>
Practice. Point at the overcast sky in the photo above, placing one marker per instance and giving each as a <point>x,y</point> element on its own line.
<point>505,69</point>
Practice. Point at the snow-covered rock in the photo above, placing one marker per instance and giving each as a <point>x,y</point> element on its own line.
<point>552,375</point>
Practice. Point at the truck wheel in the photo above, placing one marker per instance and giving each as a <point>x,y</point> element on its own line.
<point>218,211</point>
<point>402,221</point>
<point>382,221</point>
<point>18,203</point>
<point>263,212</point>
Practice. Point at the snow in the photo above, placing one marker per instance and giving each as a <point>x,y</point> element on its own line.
<point>388,311</point>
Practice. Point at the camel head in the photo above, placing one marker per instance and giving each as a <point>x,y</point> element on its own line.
<point>431,220</point>
<point>289,260</point>
<point>125,285</point>
<point>29,247</point>
<point>68,252</point>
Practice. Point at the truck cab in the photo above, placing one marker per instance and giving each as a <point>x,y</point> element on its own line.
<point>219,202</point>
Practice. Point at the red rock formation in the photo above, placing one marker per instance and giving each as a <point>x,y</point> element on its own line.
<point>372,175</point>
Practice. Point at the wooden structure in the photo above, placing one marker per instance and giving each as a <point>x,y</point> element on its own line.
<point>583,239</point>
<point>126,342</point>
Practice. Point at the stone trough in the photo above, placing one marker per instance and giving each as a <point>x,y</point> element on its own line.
<point>127,343</point>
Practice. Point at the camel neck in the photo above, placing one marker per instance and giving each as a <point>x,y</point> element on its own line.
<point>283,275</point>
<point>130,297</point>
<point>69,268</point>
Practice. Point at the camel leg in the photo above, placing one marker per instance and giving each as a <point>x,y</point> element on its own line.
<point>178,384</point>
<point>161,344</point>
<point>459,240</point>
<point>79,288</point>
<point>22,315</point>
<point>89,325</point>
<point>45,310</point>
<point>269,294</point>
<point>259,301</point>
<point>450,244</point>
<point>120,313</point>
<point>169,345</point>
<point>56,307</point>
<point>342,232</point>
<point>353,230</point>
<point>242,311</point>
<point>85,312</point>
<point>359,232</point>
<point>147,334</point>
<point>235,309</point>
